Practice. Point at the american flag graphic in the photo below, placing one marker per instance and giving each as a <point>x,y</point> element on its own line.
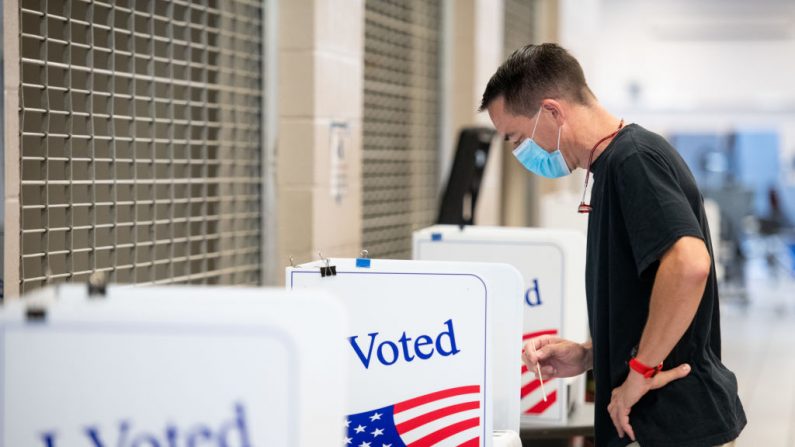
<point>449,417</point>
<point>532,396</point>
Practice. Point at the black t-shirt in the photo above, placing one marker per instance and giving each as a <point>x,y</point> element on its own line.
<point>644,199</point>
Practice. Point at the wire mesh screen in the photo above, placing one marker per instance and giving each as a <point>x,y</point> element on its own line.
<point>401,122</point>
<point>140,140</point>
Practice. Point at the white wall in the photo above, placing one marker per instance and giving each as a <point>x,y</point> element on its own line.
<point>685,54</point>
<point>702,65</point>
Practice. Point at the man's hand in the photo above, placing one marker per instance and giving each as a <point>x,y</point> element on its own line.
<point>630,392</point>
<point>557,357</point>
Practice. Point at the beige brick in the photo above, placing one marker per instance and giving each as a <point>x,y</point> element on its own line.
<point>337,223</point>
<point>321,153</point>
<point>338,86</point>
<point>297,25</point>
<point>296,154</point>
<point>321,81</point>
<point>295,222</point>
<point>339,26</point>
<point>344,251</point>
<point>296,84</point>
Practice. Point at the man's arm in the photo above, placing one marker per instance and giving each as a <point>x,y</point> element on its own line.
<point>588,346</point>
<point>676,295</point>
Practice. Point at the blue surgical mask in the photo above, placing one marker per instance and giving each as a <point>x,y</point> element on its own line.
<point>538,161</point>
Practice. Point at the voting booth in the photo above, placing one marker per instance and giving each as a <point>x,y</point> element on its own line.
<point>552,263</point>
<point>172,366</point>
<point>424,343</point>
<point>505,438</point>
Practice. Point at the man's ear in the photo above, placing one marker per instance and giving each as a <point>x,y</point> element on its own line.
<point>556,109</point>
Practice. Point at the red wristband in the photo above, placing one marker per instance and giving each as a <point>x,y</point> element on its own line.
<point>645,370</point>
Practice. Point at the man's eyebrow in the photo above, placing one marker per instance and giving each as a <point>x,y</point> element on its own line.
<point>507,137</point>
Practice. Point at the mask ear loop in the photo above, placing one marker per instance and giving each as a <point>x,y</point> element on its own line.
<point>558,148</point>
<point>568,169</point>
<point>538,118</point>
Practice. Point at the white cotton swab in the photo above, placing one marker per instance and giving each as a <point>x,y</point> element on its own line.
<point>538,370</point>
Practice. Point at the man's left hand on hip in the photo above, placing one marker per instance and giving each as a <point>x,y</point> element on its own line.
<point>630,392</point>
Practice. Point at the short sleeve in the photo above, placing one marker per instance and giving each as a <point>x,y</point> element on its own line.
<point>655,209</point>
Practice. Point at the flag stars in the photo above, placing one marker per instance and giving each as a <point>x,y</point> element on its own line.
<point>364,444</point>
<point>360,428</point>
<point>347,440</point>
<point>347,423</point>
<point>386,445</point>
<point>377,432</point>
<point>375,417</point>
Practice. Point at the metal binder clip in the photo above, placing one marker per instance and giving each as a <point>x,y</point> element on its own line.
<point>35,313</point>
<point>363,261</point>
<point>328,269</point>
<point>294,265</point>
<point>97,285</point>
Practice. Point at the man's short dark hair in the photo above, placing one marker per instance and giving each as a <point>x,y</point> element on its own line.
<point>534,73</point>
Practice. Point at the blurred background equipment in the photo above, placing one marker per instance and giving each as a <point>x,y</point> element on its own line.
<point>741,173</point>
<point>463,185</point>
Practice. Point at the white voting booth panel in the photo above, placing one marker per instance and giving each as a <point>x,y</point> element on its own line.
<point>172,367</point>
<point>552,263</point>
<point>425,338</point>
<point>507,439</point>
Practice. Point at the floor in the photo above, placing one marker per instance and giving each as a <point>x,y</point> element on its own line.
<point>759,346</point>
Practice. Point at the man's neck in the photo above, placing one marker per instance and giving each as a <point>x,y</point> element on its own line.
<point>594,123</point>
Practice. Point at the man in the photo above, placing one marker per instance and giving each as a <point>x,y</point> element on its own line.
<point>650,280</point>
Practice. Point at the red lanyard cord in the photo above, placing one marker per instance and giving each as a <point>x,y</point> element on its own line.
<point>585,208</point>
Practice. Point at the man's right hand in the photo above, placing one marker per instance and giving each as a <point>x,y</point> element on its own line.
<point>557,357</point>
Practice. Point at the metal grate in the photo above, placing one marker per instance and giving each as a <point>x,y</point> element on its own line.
<point>401,122</point>
<point>140,140</point>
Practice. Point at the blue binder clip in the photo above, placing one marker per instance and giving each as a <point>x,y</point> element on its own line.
<point>363,261</point>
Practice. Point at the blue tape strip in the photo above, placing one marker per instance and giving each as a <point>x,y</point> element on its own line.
<point>436,236</point>
<point>363,263</point>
